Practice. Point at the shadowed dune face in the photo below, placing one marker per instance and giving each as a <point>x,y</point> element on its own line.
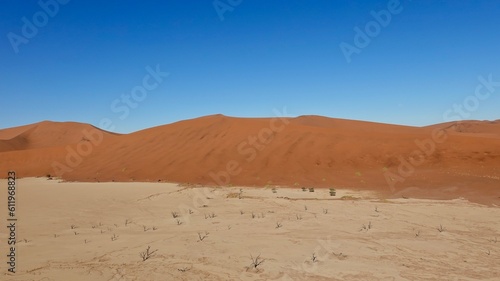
<point>441,161</point>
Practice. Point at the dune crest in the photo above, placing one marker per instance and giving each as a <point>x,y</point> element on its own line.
<point>303,151</point>
<point>44,134</point>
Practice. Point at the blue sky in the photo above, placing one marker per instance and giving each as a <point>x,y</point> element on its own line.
<point>263,55</point>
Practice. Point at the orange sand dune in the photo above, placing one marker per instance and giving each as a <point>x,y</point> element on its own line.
<point>43,134</point>
<point>441,161</point>
<point>489,128</point>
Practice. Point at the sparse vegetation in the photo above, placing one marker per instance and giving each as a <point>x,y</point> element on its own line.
<point>184,269</point>
<point>304,189</point>
<point>147,254</point>
<point>314,258</point>
<point>340,255</point>
<point>202,236</point>
<point>333,192</point>
<point>256,262</point>
<point>315,246</point>
<point>348,197</point>
<point>311,189</point>
<point>366,227</point>
<point>210,216</point>
<point>441,228</point>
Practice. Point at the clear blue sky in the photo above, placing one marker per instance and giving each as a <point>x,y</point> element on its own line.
<point>263,55</point>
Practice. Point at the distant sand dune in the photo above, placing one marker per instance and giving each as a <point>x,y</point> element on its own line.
<point>45,134</point>
<point>303,151</point>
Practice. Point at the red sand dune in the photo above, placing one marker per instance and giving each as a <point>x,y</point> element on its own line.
<point>440,161</point>
<point>43,134</point>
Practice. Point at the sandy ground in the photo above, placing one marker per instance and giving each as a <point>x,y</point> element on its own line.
<point>362,239</point>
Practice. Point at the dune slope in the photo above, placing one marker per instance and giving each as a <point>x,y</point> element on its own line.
<point>444,160</point>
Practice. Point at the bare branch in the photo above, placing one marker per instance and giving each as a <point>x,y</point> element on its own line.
<point>147,254</point>
<point>256,262</point>
<point>441,228</point>
<point>201,236</point>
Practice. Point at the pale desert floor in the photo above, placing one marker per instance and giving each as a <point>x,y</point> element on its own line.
<point>365,239</point>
